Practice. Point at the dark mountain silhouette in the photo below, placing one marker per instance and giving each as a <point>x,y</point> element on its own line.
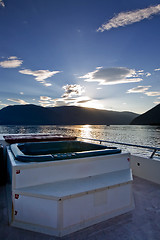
<point>66,115</point>
<point>151,117</point>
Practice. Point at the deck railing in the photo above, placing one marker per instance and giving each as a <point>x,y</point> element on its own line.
<point>155,149</point>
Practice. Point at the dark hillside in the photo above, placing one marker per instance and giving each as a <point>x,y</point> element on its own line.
<point>66,115</point>
<point>151,117</point>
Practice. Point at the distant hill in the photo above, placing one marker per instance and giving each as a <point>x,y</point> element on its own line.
<point>66,115</point>
<point>151,117</point>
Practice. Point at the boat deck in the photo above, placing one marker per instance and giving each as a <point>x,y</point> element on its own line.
<point>143,223</point>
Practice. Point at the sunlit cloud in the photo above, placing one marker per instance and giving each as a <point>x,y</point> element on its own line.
<point>90,103</point>
<point>21,93</point>
<point>111,76</point>
<point>148,74</point>
<point>11,62</point>
<point>47,84</point>
<point>130,17</point>
<point>142,73</point>
<point>20,101</point>
<point>3,104</point>
<point>152,94</point>
<point>139,89</point>
<point>2,3</point>
<point>60,102</point>
<point>46,101</point>
<point>82,101</point>
<point>144,90</point>
<point>73,96</point>
<point>45,98</point>
<point>157,69</point>
<point>73,90</point>
<point>157,101</point>
<point>40,75</point>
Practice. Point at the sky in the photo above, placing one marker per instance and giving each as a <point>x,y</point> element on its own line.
<point>102,54</point>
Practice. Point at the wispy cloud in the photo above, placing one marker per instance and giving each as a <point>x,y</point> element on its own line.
<point>157,69</point>
<point>144,90</point>
<point>152,94</point>
<point>148,74</point>
<point>139,89</point>
<point>127,18</point>
<point>11,62</point>
<point>2,3</point>
<point>45,98</point>
<point>20,101</point>
<point>40,75</point>
<point>73,96</point>
<point>73,90</point>
<point>157,101</point>
<point>111,76</point>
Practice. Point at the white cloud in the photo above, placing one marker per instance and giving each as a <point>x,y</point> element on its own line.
<point>82,101</point>
<point>148,74</point>
<point>157,69</point>
<point>127,18</point>
<point>157,102</point>
<point>152,94</point>
<point>90,103</point>
<point>12,57</point>
<point>73,90</point>
<point>46,101</point>
<point>144,90</point>
<point>60,102</point>
<point>11,62</point>
<point>47,84</point>
<point>21,93</point>
<point>2,3</point>
<point>71,97</point>
<point>40,75</point>
<point>139,89</point>
<point>20,101</point>
<point>45,98</point>
<point>111,76</point>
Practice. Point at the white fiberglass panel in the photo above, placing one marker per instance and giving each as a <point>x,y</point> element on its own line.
<point>119,197</point>
<point>36,174</point>
<point>76,210</point>
<point>37,211</point>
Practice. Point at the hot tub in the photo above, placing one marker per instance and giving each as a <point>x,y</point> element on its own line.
<point>54,151</point>
<point>60,187</point>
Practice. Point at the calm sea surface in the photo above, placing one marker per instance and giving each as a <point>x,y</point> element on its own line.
<point>140,135</point>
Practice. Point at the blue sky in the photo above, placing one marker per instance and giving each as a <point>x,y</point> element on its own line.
<point>90,53</point>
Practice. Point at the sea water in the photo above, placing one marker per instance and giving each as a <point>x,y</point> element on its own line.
<point>139,135</point>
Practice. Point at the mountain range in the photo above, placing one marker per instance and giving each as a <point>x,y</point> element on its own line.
<point>64,115</point>
<point>71,115</point>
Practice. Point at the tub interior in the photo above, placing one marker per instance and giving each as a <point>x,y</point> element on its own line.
<point>47,151</point>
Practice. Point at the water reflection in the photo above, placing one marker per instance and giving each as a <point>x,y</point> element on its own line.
<point>140,135</point>
<point>86,131</point>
